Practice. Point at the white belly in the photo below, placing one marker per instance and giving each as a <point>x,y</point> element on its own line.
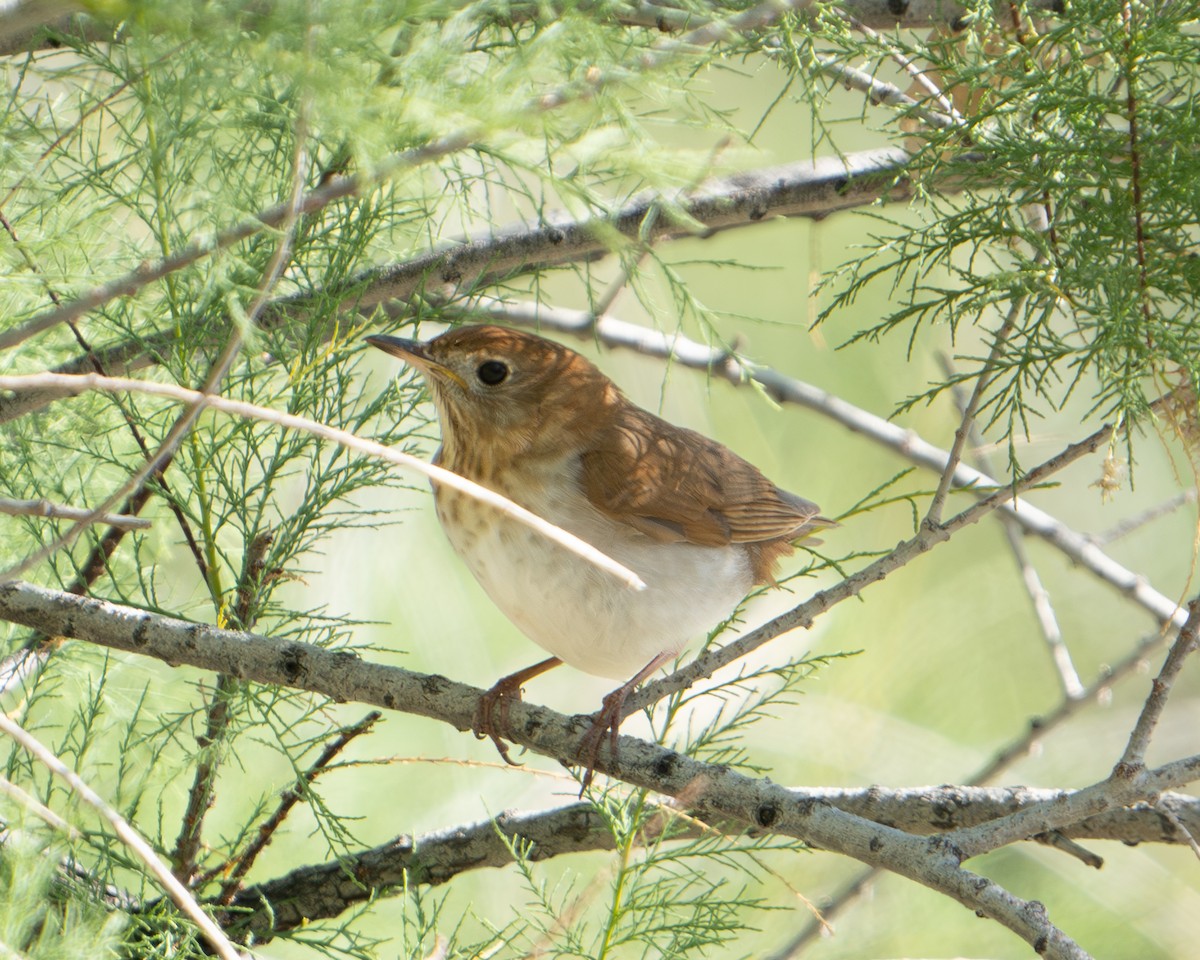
<point>580,614</point>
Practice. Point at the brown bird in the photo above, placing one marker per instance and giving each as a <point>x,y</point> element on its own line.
<point>540,424</point>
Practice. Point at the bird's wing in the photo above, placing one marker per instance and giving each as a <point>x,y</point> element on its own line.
<point>674,484</point>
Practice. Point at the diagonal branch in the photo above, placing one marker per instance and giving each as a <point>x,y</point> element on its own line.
<point>656,56</point>
<point>805,613</point>
<point>620,334</point>
<point>1134,757</point>
<point>199,400</point>
<point>970,412</point>
<point>803,189</point>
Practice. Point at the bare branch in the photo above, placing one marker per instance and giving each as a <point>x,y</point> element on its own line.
<point>805,613</point>
<point>881,92</point>
<point>1134,757</point>
<point>803,189</point>
<point>1129,524</point>
<point>1062,811</point>
<point>970,411</point>
<point>620,334</point>
<point>316,892</point>
<point>1039,727</point>
<point>44,508</point>
<point>1129,780</point>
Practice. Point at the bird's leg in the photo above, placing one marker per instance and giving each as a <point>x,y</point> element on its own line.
<point>502,693</point>
<point>608,720</point>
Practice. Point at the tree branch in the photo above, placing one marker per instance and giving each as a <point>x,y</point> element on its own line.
<point>805,613</point>
<point>35,30</point>
<point>620,334</point>
<point>1134,758</point>
<point>44,508</point>
<point>198,400</point>
<point>321,890</point>
<point>712,792</point>
<point>804,189</point>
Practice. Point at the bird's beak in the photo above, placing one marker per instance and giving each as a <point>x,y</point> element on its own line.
<point>414,353</point>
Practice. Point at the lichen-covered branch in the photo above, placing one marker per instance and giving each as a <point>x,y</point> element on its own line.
<point>325,890</point>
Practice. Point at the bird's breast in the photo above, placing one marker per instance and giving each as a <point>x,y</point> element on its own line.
<point>566,605</point>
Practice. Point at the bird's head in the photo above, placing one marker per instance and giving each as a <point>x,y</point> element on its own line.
<point>503,389</point>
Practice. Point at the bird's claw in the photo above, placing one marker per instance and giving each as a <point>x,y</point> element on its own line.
<point>500,696</point>
<point>605,720</point>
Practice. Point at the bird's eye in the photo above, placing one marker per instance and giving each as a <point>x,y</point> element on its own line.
<point>492,372</point>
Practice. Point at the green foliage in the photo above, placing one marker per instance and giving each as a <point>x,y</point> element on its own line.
<point>48,911</point>
<point>1076,216</point>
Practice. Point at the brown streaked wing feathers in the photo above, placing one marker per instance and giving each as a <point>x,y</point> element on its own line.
<point>674,484</point>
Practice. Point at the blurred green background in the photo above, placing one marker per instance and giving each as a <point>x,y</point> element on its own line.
<point>952,667</point>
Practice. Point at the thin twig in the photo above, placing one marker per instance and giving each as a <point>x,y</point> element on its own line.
<point>1039,597</point>
<point>934,516</point>
<point>130,837</point>
<point>881,92</point>
<point>202,792</point>
<point>244,860</point>
<point>919,76</point>
<point>1130,524</point>
<point>1135,164</point>
<point>1167,806</point>
<point>44,508</point>
<point>199,401</point>
<point>1134,756</point>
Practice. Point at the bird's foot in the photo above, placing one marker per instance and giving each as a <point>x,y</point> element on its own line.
<point>605,720</point>
<point>497,700</point>
<point>608,720</point>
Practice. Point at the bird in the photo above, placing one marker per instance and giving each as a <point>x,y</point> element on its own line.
<point>540,424</point>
